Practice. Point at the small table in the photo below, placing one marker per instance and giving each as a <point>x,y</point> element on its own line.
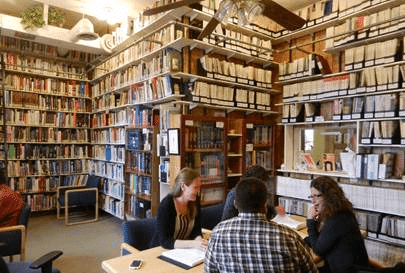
<point>151,263</point>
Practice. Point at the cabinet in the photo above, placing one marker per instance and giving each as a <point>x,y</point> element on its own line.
<point>347,124</point>
<point>203,149</point>
<point>47,107</point>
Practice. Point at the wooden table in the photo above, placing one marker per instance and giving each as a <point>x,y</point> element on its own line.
<point>151,263</point>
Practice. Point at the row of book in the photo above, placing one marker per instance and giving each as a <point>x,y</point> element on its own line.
<point>47,167</point>
<point>109,153</point>
<point>140,139</point>
<point>112,205</point>
<point>385,52</point>
<point>140,117</point>
<point>139,162</point>
<point>110,101</point>
<point>108,136</point>
<point>50,68</point>
<point>348,108</point>
<point>72,180</point>
<point>139,208</point>
<point>164,168</point>
<point>366,26</point>
<point>46,135</point>
<point>113,188</point>
<point>369,80</point>
<point>116,118</point>
<point>139,184</point>
<point>109,170</point>
<point>263,158</point>
<point>309,65</point>
<point>38,151</point>
<point>34,184</point>
<point>294,206</point>
<point>229,96</point>
<point>139,49</point>
<point>26,46</point>
<point>39,118</point>
<point>235,40</point>
<point>233,72</point>
<point>212,165</point>
<point>27,101</point>
<point>382,132</point>
<point>40,202</point>
<point>259,134</point>
<point>47,86</point>
<point>205,135</point>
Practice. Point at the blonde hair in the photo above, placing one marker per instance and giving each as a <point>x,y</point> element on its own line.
<point>185,176</point>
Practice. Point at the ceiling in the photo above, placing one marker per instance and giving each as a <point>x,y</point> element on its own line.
<point>96,9</point>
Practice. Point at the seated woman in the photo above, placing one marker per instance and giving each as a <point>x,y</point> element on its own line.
<point>261,173</point>
<point>333,230</point>
<point>178,219</point>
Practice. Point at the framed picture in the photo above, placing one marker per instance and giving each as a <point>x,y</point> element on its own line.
<point>174,141</point>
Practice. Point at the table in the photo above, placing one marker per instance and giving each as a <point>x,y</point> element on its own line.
<point>151,263</point>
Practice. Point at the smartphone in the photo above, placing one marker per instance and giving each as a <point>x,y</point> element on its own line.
<point>135,264</point>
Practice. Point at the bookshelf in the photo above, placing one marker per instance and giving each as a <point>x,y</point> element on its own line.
<point>3,157</point>
<point>346,122</point>
<point>47,108</point>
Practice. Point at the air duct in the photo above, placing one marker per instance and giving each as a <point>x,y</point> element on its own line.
<point>83,30</point>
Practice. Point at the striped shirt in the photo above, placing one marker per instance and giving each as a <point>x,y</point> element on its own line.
<point>184,226</point>
<point>250,243</point>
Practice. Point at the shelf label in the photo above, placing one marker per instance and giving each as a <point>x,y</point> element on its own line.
<point>249,147</point>
<point>189,123</point>
<point>249,125</point>
<point>220,124</point>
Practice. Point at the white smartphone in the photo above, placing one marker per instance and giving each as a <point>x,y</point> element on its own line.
<point>135,264</point>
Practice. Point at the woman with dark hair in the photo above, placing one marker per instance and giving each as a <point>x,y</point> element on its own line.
<point>333,230</point>
<point>178,219</point>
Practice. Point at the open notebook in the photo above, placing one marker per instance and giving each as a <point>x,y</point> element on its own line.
<point>184,257</point>
<point>289,222</point>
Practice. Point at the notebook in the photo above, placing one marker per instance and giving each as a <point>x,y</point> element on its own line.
<point>184,257</point>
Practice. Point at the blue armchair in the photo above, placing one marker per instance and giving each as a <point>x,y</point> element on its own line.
<point>138,235</point>
<point>78,196</point>
<point>41,265</point>
<point>13,238</point>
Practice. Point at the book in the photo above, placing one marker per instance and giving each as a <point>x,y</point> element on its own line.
<point>289,222</point>
<point>184,257</point>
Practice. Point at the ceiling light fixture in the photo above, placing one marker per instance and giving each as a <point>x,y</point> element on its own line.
<point>83,30</point>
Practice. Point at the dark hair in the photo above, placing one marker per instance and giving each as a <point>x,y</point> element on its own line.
<point>250,195</point>
<point>334,199</point>
<point>258,172</point>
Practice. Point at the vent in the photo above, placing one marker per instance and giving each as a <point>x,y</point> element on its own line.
<point>83,30</point>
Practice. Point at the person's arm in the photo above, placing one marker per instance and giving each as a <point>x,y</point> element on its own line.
<point>331,231</point>
<point>229,209</point>
<point>306,260</point>
<point>165,222</point>
<point>209,260</point>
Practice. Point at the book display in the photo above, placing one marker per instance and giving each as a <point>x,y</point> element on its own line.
<point>346,122</point>
<point>47,108</point>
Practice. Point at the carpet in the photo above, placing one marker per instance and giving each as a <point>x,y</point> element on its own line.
<point>78,264</point>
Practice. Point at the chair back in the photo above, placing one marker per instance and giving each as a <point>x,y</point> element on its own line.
<point>25,215</point>
<point>93,181</point>
<point>211,216</point>
<point>139,233</point>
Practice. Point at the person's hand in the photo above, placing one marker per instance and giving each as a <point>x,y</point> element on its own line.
<point>201,243</point>
<point>280,210</point>
<point>312,212</point>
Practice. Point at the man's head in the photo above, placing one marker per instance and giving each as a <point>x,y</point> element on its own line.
<point>251,195</point>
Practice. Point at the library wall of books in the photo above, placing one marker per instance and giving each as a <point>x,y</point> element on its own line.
<point>327,99</point>
<point>343,113</point>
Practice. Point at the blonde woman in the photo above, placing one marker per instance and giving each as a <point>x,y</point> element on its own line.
<point>178,219</point>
